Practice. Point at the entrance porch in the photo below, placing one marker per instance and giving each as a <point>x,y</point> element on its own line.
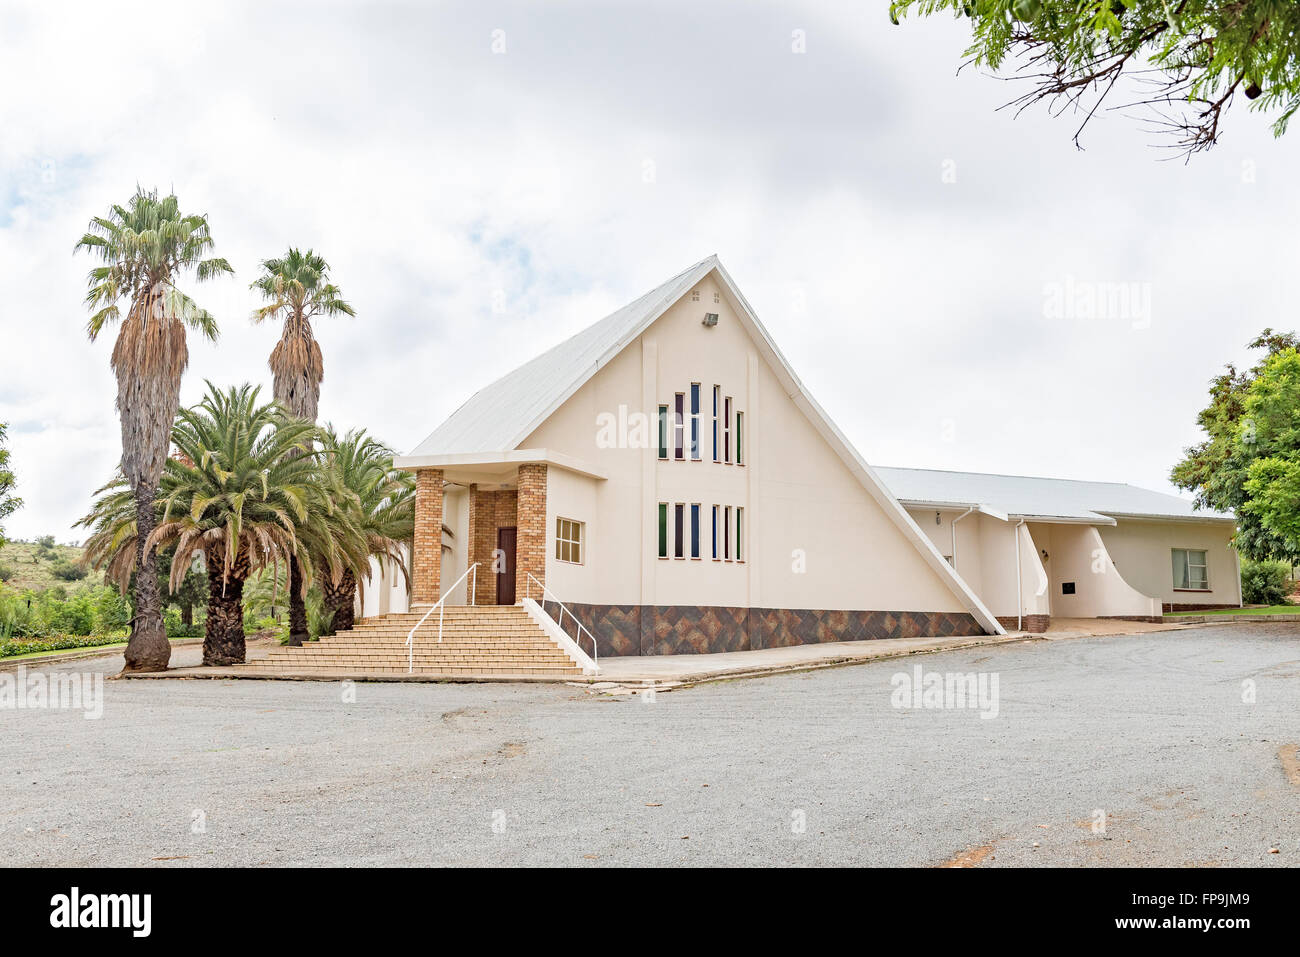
<point>492,515</point>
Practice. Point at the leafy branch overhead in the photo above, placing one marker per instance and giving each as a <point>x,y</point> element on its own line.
<point>1183,60</point>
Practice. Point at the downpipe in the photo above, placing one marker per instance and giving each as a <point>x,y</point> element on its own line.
<point>1020,602</point>
<point>953,529</point>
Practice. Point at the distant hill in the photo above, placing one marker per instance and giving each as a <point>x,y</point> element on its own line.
<point>26,565</point>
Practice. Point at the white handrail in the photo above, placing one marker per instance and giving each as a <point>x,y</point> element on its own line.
<point>528,591</point>
<point>438,606</point>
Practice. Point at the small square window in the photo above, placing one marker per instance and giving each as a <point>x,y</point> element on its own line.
<point>568,540</point>
<point>1067,588</point>
<point>695,295</point>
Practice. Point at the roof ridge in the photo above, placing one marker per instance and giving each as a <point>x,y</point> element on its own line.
<point>1037,478</point>
<point>587,337</point>
<point>590,326</point>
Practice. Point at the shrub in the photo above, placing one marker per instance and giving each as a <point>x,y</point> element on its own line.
<point>91,609</point>
<point>112,610</point>
<point>176,628</point>
<point>27,646</point>
<point>1264,583</point>
<point>67,571</point>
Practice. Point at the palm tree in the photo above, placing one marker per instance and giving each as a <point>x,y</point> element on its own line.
<point>383,499</point>
<point>240,490</point>
<point>297,289</point>
<point>145,247</point>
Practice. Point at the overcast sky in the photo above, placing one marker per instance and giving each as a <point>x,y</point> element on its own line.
<point>923,259</point>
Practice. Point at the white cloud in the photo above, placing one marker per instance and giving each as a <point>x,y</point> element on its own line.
<point>435,175</point>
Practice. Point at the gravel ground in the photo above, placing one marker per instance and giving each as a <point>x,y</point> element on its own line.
<point>1152,729</point>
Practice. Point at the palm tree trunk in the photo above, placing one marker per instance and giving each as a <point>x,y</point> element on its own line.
<point>297,604</point>
<point>340,598</point>
<point>223,633</point>
<point>148,648</point>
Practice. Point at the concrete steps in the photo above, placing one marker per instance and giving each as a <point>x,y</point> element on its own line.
<point>496,641</point>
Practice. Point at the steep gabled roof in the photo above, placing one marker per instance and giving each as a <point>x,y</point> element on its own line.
<point>500,416</point>
<point>1022,495</point>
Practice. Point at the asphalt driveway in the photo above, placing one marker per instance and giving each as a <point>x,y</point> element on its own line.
<point>1154,735</point>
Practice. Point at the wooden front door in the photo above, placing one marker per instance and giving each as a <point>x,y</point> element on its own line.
<point>506,577</point>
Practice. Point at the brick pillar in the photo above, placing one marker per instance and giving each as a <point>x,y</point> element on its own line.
<point>426,556</point>
<point>482,531</point>
<point>530,519</point>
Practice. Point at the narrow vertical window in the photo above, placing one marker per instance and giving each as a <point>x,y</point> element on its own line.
<point>715,531</point>
<point>695,531</point>
<point>663,431</point>
<point>663,529</point>
<point>717,402</point>
<point>740,456</point>
<point>726,534</point>
<point>740,525</point>
<point>726,429</point>
<point>695,421</point>
<point>679,539</point>
<point>679,428</point>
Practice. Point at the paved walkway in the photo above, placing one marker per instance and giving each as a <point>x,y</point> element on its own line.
<point>685,669</point>
<point>635,673</point>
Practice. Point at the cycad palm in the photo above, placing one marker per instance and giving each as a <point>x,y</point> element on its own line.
<point>383,500</point>
<point>297,289</point>
<point>240,490</point>
<point>145,247</point>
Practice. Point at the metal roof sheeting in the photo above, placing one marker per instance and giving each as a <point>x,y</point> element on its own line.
<point>499,416</point>
<point>1022,495</point>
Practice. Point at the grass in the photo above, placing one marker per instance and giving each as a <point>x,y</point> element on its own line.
<point>27,568</point>
<point>1270,610</point>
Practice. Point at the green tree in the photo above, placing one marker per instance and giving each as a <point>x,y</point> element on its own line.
<point>1189,58</point>
<point>244,481</point>
<point>1270,430</point>
<point>297,289</point>
<point>9,503</point>
<point>1215,471</point>
<point>146,247</point>
<point>191,592</point>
